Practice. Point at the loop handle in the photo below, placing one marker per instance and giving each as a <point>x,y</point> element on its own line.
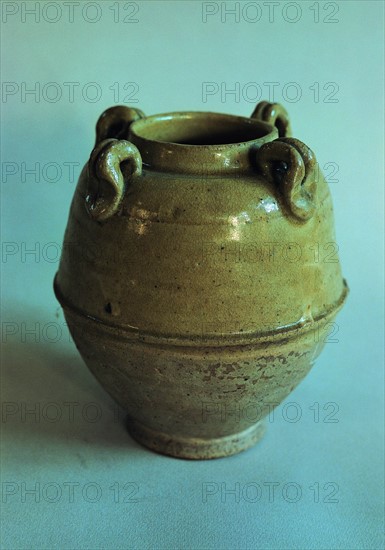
<point>292,166</point>
<point>274,114</point>
<point>115,122</point>
<point>112,165</point>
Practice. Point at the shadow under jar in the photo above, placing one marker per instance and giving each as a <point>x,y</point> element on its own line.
<point>199,275</point>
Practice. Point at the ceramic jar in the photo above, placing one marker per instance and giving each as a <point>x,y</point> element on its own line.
<point>199,275</point>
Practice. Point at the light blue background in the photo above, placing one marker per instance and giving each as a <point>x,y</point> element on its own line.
<point>168,54</point>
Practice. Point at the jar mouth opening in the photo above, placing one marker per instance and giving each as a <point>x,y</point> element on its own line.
<point>199,129</point>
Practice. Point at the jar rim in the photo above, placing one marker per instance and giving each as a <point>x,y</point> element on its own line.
<point>190,140</point>
<point>194,125</point>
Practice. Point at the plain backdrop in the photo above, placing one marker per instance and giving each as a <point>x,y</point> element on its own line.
<point>71,476</point>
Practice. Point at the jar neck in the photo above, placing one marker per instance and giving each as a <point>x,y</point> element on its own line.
<point>194,142</point>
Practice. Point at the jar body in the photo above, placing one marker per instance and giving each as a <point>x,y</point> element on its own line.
<point>201,304</point>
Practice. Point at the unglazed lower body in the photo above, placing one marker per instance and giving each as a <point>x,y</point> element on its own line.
<point>196,398</point>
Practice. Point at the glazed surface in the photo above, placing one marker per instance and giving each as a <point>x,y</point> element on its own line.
<point>196,255</point>
<point>200,276</point>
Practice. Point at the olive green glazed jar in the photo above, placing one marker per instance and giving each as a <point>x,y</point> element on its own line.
<point>199,274</point>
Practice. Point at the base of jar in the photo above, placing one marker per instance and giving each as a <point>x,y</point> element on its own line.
<point>195,448</point>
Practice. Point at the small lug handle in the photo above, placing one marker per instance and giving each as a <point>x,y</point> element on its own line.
<point>112,165</point>
<point>292,166</point>
<point>115,122</point>
<point>274,114</point>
